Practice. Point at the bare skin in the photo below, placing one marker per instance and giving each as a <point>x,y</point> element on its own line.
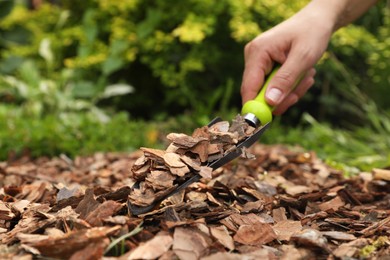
<point>297,43</point>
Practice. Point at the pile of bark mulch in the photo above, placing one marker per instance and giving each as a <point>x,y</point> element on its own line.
<point>284,204</point>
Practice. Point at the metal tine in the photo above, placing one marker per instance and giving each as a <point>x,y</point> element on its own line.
<point>214,121</point>
<point>238,151</point>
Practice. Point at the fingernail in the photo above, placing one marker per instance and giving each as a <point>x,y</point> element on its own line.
<point>274,94</point>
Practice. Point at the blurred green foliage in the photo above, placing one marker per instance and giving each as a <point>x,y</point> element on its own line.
<point>180,55</point>
<point>81,67</point>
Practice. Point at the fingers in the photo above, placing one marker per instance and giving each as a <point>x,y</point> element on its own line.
<point>258,63</point>
<point>305,84</point>
<point>252,79</point>
<point>297,63</point>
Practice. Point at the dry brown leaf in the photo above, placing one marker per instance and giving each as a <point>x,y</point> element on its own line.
<point>234,221</point>
<point>155,154</point>
<point>34,192</point>
<point>141,161</point>
<point>27,225</point>
<point>20,206</point>
<point>246,154</point>
<point>159,180</point>
<point>92,251</point>
<point>286,228</point>
<point>222,235</point>
<point>176,198</point>
<point>169,255</point>
<point>310,238</point>
<point>214,148</point>
<point>64,247</point>
<point>297,189</point>
<point>262,254</point>
<point>196,196</point>
<point>345,250</point>
<point>103,211</point>
<point>206,172</point>
<point>279,214</point>
<point>12,190</point>
<point>253,206</point>
<point>153,248</point>
<point>225,138</point>
<point>5,211</point>
<point>142,197</point>
<point>189,222</point>
<point>222,126</point>
<point>212,199</point>
<point>255,234</point>
<point>65,193</point>
<point>31,238</point>
<point>333,204</point>
<point>173,160</point>
<point>182,171</point>
<point>193,164</point>
<point>67,213</point>
<point>337,235</point>
<point>88,204</point>
<point>141,172</point>
<point>54,232</point>
<point>225,256</point>
<point>184,141</point>
<point>201,148</point>
<point>188,243</point>
<point>290,252</point>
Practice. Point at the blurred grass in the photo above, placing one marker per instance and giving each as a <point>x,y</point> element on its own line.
<point>76,135</point>
<point>352,151</point>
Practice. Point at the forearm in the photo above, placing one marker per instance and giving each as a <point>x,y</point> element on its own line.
<point>338,13</point>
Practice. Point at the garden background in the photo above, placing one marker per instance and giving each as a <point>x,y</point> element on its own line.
<point>77,77</point>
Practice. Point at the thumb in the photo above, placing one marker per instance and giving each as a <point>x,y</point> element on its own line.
<point>285,79</point>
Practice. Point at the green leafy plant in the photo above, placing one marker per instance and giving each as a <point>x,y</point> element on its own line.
<point>5,7</point>
<point>189,52</point>
<point>51,116</point>
<point>121,239</point>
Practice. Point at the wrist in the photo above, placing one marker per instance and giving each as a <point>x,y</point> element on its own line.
<point>327,13</point>
<point>339,13</point>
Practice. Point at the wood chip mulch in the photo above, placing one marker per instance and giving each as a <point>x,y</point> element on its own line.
<point>283,204</point>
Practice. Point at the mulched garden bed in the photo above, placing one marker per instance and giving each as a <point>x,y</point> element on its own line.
<point>283,204</point>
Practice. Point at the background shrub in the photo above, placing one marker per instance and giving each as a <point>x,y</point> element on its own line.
<point>99,62</point>
<point>183,55</point>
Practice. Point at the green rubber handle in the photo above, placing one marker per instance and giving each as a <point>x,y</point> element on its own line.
<point>259,106</point>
